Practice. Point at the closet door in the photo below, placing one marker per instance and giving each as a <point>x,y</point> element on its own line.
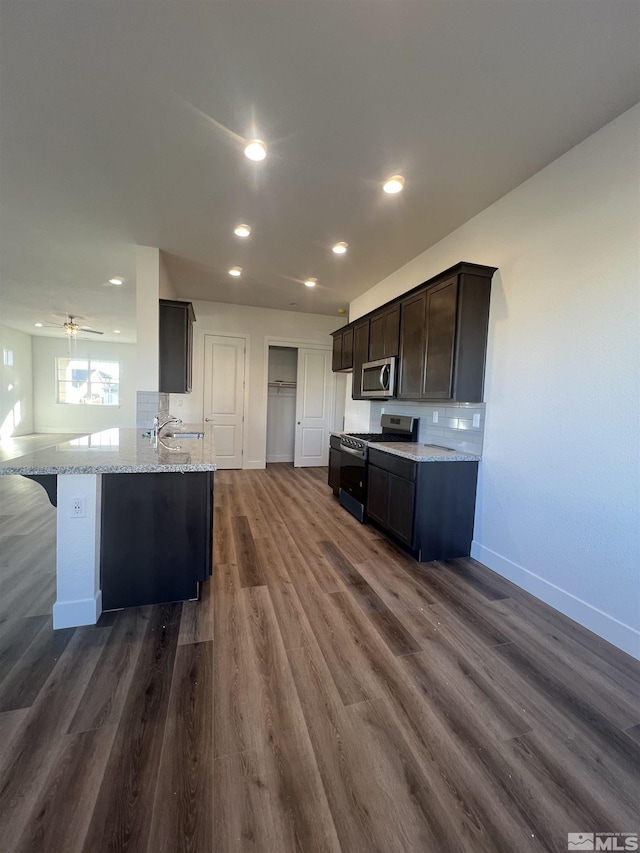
<point>313,408</point>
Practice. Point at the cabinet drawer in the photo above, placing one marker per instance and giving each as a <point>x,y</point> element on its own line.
<point>394,464</point>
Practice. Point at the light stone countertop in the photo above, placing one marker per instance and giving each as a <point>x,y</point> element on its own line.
<point>419,452</point>
<point>423,452</point>
<point>120,451</point>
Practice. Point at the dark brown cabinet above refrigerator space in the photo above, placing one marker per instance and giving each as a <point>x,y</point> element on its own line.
<point>176,346</point>
<point>438,330</point>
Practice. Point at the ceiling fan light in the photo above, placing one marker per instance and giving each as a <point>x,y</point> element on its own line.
<point>393,185</point>
<point>310,282</point>
<point>235,271</point>
<point>340,248</point>
<point>242,230</point>
<point>255,150</point>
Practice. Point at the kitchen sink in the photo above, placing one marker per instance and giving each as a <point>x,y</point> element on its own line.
<point>185,434</point>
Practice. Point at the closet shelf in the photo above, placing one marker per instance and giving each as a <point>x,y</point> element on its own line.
<point>282,384</point>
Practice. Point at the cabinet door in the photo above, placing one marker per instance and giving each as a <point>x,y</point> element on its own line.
<point>384,332</point>
<point>376,337</point>
<point>360,356</point>
<point>377,494</point>
<point>347,349</point>
<point>412,346</point>
<point>175,346</point>
<point>441,307</point>
<point>391,331</point>
<point>336,358</point>
<point>402,497</point>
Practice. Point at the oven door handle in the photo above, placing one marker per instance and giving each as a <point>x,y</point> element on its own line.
<point>361,454</point>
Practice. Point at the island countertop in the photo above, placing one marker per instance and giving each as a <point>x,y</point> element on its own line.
<point>120,451</point>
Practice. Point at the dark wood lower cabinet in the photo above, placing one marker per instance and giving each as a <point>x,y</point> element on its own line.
<point>156,541</point>
<point>428,506</point>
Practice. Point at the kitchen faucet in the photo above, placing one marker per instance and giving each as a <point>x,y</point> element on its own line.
<point>157,426</point>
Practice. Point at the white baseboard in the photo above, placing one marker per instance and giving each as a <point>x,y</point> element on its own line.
<point>615,632</point>
<point>71,614</point>
<point>282,458</point>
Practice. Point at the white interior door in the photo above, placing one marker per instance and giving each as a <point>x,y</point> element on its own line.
<point>224,366</point>
<point>313,407</point>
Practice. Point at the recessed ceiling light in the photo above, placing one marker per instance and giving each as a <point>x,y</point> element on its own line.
<point>340,248</point>
<point>116,331</point>
<point>242,230</point>
<point>394,184</point>
<point>255,150</point>
<point>117,280</point>
<point>39,325</point>
<point>235,271</point>
<point>311,282</point>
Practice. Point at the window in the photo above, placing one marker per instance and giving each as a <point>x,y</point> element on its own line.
<point>82,381</point>
<point>7,357</point>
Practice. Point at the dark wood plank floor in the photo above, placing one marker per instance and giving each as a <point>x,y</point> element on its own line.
<point>326,694</point>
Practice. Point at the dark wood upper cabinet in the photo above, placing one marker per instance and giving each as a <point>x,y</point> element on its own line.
<point>413,332</point>
<point>176,346</point>
<point>443,336</point>
<point>342,349</point>
<point>439,332</point>
<point>360,355</point>
<point>384,332</point>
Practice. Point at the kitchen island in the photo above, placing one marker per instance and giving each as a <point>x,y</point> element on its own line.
<point>134,518</point>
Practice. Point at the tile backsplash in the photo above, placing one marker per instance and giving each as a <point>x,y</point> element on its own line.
<point>455,422</point>
<point>148,404</point>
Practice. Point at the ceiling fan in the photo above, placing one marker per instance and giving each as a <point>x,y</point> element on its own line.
<point>71,328</point>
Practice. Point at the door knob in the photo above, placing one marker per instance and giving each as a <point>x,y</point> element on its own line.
<point>298,423</point>
<point>208,420</point>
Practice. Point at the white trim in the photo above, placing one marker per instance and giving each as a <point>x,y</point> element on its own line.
<point>283,457</point>
<point>623,636</point>
<point>71,614</point>
<point>254,464</point>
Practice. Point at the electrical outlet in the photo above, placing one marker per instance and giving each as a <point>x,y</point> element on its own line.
<point>476,420</point>
<point>78,508</point>
<point>435,417</point>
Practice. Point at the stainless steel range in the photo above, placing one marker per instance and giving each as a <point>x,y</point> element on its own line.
<point>353,458</point>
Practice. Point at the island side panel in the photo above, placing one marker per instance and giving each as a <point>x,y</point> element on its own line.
<point>156,537</point>
<point>78,599</point>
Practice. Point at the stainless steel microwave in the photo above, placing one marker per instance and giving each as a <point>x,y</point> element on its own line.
<point>379,378</point>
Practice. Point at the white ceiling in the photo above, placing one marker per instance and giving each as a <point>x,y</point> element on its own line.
<point>123,124</point>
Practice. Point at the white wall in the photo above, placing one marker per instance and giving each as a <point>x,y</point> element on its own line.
<point>258,325</point>
<point>558,508</point>
<point>50,416</point>
<point>16,384</point>
<point>166,290</point>
<point>147,317</point>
